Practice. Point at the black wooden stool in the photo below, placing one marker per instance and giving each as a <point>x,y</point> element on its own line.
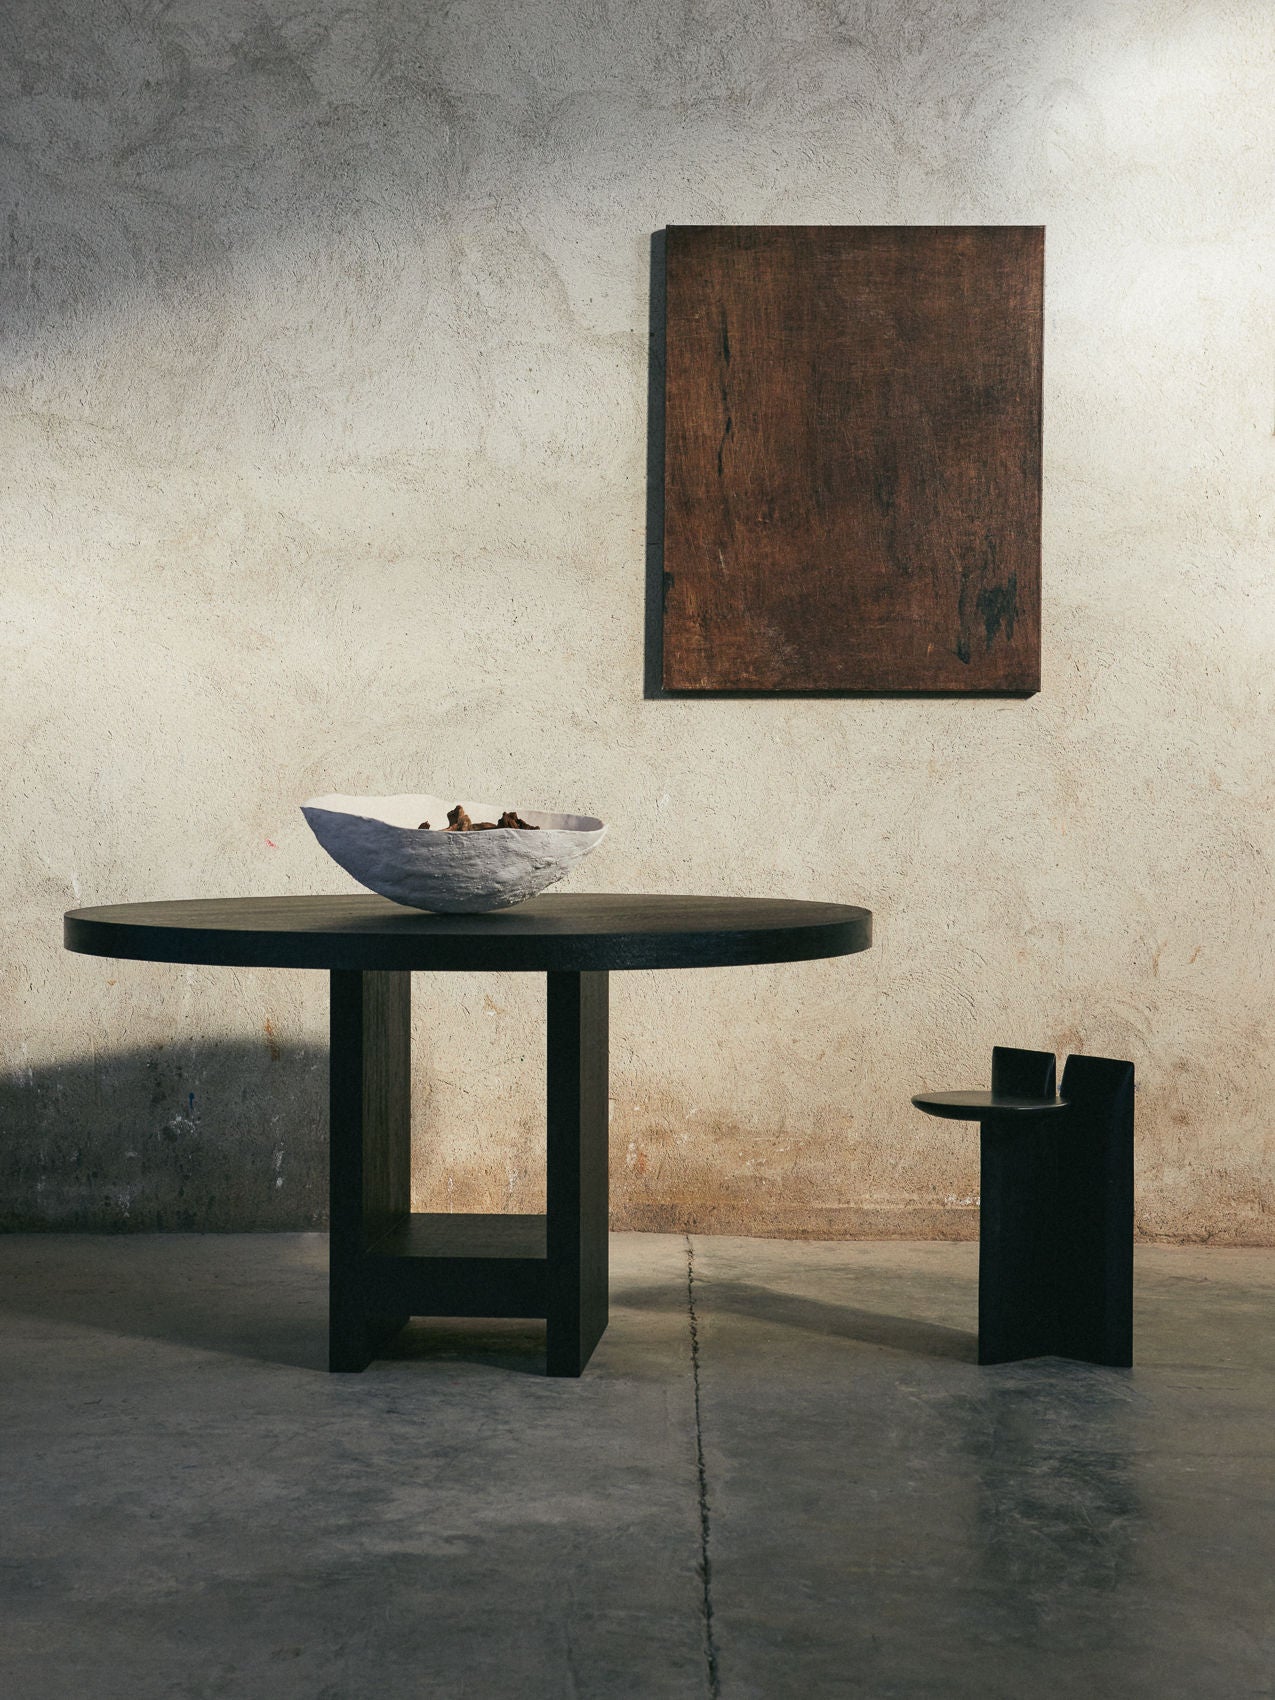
<point>1055,1274</point>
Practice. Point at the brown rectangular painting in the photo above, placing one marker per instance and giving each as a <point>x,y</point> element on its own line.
<point>852,458</point>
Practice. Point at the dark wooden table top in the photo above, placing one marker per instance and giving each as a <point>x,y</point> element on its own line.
<point>575,932</point>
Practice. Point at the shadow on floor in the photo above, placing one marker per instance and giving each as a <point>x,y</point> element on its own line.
<point>819,1316</point>
<point>258,1297</point>
<point>498,1343</point>
<point>200,1312</point>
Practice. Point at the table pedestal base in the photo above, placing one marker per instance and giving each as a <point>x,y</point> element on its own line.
<point>389,1263</point>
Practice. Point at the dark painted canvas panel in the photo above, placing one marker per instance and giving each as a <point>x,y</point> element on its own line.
<point>852,458</point>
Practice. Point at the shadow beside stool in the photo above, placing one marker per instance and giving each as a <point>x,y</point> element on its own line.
<point>1055,1274</point>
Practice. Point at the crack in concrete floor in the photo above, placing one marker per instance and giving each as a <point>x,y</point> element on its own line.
<point>705,1527</point>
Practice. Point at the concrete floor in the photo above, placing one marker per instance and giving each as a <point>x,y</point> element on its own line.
<point>193,1508</point>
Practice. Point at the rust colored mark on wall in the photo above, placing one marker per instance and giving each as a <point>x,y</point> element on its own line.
<point>272,1040</point>
<point>852,458</point>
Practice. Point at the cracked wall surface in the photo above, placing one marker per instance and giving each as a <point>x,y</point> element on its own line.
<point>324,364</point>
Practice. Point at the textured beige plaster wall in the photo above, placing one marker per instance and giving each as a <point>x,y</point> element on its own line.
<point>323,427</point>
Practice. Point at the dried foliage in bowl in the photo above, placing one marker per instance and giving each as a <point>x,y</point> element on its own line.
<point>459,821</point>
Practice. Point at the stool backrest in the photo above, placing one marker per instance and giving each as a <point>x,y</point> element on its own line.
<point>1095,1210</point>
<point>1023,1074</point>
<point>1099,1083</point>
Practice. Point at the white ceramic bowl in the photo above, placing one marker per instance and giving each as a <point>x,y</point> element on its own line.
<point>378,840</point>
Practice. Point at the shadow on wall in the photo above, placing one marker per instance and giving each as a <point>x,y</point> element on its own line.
<point>234,1136</point>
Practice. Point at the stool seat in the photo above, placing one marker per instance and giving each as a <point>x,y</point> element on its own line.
<point>976,1106</point>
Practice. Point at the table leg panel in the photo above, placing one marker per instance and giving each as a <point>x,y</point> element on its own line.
<point>370,1145</point>
<point>577,1169</point>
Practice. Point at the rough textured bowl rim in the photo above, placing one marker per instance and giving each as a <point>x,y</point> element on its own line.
<point>338,803</point>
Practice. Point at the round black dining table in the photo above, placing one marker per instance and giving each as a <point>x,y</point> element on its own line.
<point>387,1262</point>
